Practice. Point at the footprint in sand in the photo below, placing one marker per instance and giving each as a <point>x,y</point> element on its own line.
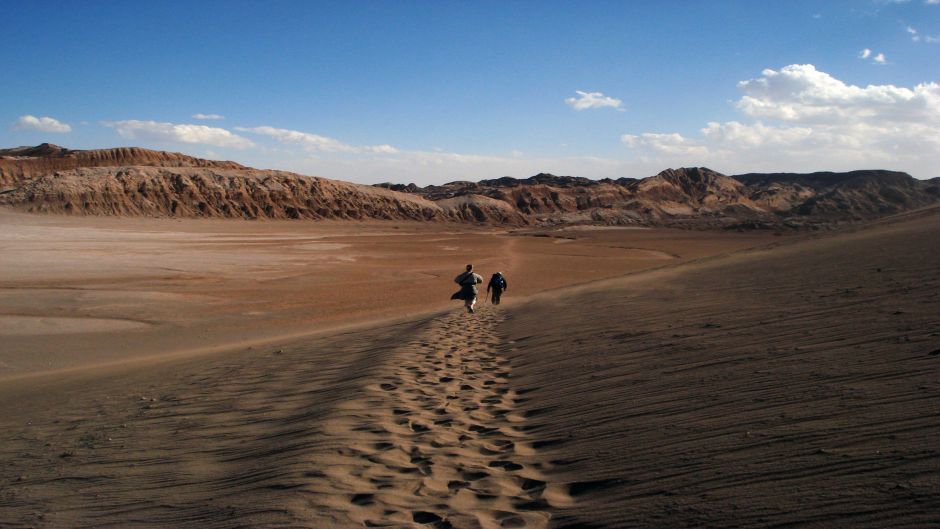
<point>438,445</point>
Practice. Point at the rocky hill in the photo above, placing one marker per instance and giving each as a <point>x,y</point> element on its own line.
<point>853,195</point>
<point>142,182</point>
<point>25,163</point>
<point>134,181</point>
<point>700,197</point>
<point>211,192</point>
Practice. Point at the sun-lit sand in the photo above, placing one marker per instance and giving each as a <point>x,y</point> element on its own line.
<point>227,373</point>
<point>85,291</point>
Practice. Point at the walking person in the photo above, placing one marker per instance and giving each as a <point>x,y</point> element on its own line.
<point>468,282</point>
<point>499,285</point>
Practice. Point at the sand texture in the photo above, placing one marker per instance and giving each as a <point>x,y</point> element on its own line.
<point>793,384</point>
<point>795,387</point>
<point>84,291</point>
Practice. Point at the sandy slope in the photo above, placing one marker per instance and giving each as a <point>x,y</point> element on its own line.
<point>82,291</point>
<point>403,425</point>
<point>787,386</point>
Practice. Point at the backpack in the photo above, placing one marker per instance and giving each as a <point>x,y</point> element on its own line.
<point>498,281</point>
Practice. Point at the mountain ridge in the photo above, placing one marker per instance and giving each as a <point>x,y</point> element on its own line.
<point>133,181</point>
<point>24,163</point>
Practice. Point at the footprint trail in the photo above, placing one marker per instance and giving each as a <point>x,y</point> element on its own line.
<point>437,442</point>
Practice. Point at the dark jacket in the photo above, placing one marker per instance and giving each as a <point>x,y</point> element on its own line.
<point>497,282</point>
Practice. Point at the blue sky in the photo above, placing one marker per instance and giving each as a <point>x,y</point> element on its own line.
<point>430,92</point>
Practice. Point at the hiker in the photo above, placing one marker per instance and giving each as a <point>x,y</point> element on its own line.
<point>499,285</point>
<point>468,282</point>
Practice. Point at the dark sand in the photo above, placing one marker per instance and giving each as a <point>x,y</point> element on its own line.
<point>795,385</point>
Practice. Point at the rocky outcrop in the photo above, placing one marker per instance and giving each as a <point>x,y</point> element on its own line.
<point>209,192</point>
<point>698,197</point>
<point>850,195</point>
<point>25,163</point>
<point>134,181</point>
<point>482,209</point>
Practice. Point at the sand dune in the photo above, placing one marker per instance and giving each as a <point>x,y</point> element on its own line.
<point>411,425</point>
<point>783,388</point>
<point>792,385</point>
<point>438,440</point>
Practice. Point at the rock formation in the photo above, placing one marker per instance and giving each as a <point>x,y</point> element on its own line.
<point>700,197</point>
<point>24,163</point>
<point>135,181</point>
<point>212,192</point>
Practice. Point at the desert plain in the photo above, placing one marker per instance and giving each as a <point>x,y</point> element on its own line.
<point>233,373</point>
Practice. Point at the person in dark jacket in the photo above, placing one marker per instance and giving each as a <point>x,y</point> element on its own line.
<point>468,282</point>
<point>499,285</point>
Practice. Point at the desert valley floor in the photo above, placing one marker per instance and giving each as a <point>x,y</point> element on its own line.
<point>221,373</point>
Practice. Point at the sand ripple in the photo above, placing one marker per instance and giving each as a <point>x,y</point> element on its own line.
<point>12,325</point>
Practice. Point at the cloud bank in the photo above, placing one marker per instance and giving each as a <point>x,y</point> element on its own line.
<point>178,133</point>
<point>315,142</point>
<point>796,118</point>
<point>43,124</point>
<point>805,119</point>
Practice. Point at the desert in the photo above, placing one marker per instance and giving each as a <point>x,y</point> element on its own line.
<point>470,265</point>
<point>185,370</point>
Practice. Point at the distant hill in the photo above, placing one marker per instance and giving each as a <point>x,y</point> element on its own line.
<point>24,163</point>
<point>142,182</point>
<point>853,194</point>
<point>701,197</point>
<point>136,181</point>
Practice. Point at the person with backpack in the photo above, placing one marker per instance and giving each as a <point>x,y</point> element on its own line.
<point>468,282</point>
<point>499,285</point>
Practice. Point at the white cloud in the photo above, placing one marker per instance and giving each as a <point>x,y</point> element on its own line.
<point>178,133</point>
<point>917,37</point>
<point>877,59</point>
<point>43,124</point>
<point>801,93</point>
<point>315,142</point>
<point>212,117</point>
<point>593,100</point>
<point>670,144</point>
<point>805,119</point>
<point>929,2</point>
